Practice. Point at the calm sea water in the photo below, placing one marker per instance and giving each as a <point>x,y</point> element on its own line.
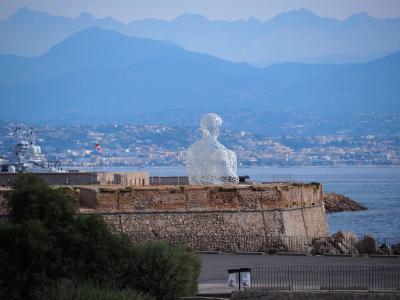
<point>377,188</point>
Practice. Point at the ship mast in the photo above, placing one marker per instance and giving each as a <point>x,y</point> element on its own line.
<point>32,135</point>
<point>17,133</point>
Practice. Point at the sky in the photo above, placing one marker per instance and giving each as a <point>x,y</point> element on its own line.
<point>129,10</point>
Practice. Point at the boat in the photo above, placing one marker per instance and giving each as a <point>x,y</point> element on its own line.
<point>27,157</point>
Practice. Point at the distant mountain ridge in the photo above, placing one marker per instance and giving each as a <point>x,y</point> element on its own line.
<point>99,72</point>
<point>297,36</point>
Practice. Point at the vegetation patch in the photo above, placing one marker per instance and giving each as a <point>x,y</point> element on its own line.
<point>45,242</point>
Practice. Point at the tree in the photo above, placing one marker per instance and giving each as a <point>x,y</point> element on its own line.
<point>46,242</point>
<point>33,199</point>
<point>163,271</point>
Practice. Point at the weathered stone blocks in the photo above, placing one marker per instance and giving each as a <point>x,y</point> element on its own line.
<point>235,218</point>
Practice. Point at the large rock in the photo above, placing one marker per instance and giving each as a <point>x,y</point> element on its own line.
<point>324,246</point>
<point>337,203</point>
<point>342,242</point>
<point>384,249</point>
<point>346,242</point>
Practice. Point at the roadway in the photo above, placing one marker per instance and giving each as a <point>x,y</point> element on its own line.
<point>214,276</point>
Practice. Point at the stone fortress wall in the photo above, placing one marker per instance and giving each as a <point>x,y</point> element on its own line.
<point>198,215</point>
<point>239,217</point>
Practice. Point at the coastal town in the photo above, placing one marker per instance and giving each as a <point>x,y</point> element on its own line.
<point>156,145</point>
<point>202,149</point>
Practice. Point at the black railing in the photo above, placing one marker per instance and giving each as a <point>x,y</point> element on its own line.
<point>328,278</point>
<point>236,243</point>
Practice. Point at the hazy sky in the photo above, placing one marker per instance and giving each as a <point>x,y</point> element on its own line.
<point>128,10</point>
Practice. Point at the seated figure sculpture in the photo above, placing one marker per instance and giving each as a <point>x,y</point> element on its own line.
<point>207,160</point>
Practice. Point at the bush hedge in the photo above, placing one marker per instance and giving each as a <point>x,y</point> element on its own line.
<point>163,271</point>
<point>46,242</point>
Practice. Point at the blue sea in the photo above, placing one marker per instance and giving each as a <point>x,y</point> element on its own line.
<point>376,187</point>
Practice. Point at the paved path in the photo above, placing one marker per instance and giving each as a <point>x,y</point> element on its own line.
<point>213,277</point>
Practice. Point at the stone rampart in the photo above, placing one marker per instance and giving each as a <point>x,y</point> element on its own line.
<point>236,218</point>
<point>167,198</point>
<point>226,218</point>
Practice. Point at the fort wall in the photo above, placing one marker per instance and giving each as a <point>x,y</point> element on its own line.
<point>180,213</point>
<point>227,218</point>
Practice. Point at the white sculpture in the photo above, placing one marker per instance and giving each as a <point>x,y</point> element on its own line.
<point>207,160</point>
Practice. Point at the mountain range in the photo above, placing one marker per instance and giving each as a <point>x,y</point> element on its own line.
<point>103,74</point>
<point>296,36</point>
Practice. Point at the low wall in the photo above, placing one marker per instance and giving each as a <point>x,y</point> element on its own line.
<point>6,179</point>
<point>201,216</point>
<point>84,178</point>
<point>167,180</point>
<point>123,178</point>
<point>182,180</point>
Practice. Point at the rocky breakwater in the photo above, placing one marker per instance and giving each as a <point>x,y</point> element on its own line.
<point>344,242</point>
<point>338,203</point>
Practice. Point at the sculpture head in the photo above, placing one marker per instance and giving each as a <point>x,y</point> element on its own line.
<point>209,125</point>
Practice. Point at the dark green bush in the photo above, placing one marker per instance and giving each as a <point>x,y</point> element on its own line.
<point>25,253</point>
<point>32,199</point>
<point>46,242</point>
<point>97,253</point>
<point>164,271</point>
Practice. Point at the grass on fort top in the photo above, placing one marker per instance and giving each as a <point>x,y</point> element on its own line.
<point>48,250</point>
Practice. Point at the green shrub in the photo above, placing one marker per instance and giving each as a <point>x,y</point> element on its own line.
<point>33,199</point>
<point>97,253</point>
<point>46,242</point>
<point>164,271</point>
<point>26,259</point>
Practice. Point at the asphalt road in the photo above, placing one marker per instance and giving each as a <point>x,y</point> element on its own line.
<point>213,277</point>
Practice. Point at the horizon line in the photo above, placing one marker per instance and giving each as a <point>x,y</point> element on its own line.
<point>245,19</point>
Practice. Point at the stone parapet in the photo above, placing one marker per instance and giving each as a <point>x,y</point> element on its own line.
<point>203,198</point>
<point>179,211</point>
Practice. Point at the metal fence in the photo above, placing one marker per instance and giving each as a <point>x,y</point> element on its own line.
<point>281,177</point>
<point>328,278</point>
<point>236,243</point>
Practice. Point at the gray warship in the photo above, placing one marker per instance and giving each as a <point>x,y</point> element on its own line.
<point>27,157</point>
